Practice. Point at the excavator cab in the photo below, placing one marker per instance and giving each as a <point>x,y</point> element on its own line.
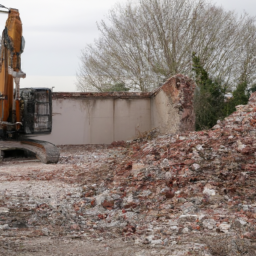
<point>36,109</point>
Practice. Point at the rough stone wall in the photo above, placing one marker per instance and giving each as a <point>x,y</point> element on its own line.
<point>172,109</point>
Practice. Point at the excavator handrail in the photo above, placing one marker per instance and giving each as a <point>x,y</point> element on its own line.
<point>2,6</point>
<point>10,124</point>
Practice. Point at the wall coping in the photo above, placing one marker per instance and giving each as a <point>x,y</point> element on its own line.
<point>116,95</point>
<point>103,95</point>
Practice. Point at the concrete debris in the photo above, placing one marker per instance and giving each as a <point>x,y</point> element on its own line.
<point>186,194</point>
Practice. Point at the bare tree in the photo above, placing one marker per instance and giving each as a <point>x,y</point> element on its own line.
<point>144,43</point>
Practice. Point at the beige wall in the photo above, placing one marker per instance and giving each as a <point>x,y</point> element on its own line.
<point>163,114</point>
<point>97,121</point>
<point>104,117</point>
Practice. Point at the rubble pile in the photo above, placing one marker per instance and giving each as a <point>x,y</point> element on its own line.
<point>191,193</point>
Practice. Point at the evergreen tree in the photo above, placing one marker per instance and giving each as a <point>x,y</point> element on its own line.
<point>240,96</point>
<point>209,97</point>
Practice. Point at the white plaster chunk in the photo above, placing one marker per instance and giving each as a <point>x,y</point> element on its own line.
<point>111,224</point>
<point>242,222</point>
<point>4,209</point>
<point>246,207</point>
<point>101,198</point>
<point>115,196</point>
<point>173,222</point>
<point>239,223</point>
<point>216,126</point>
<point>159,241</point>
<point>185,230</point>
<point>128,199</point>
<point>240,145</point>
<point>146,193</point>
<point>239,107</point>
<point>208,190</point>
<point>196,167</point>
<point>165,163</point>
<point>199,147</point>
<point>168,175</point>
<point>238,120</point>
<point>4,227</point>
<point>224,227</point>
<point>209,223</point>
<point>164,190</point>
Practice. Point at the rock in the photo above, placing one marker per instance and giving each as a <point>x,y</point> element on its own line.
<point>208,190</point>
<point>168,176</point>
<point>188,207</point>
<point>239,223</point>
<point>189,162</point>
<point>159,241</point>
<point>137,166</point>
<point>249,235</point>
<point>240,145</point>
<point>74,227</point>
<point>146,241</point>
<point>185,230</point>
<point>45,231</point>
<point>4,210</point>
<point>166,241</point>
<point>164,190</point>
<point>187,218</point>
<point>216,126</point>
<point>4,227</point>
<point>169,194</point>
<point>145,193</point>
<point>199,147</point>
<point>99,199</point>
<point>108,204</point>
<point>209,223</point>
<point>224,227</point>
<point>165,164</point>
<point>196,167</point>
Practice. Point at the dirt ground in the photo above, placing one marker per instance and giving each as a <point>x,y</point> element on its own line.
<point>26,184</point>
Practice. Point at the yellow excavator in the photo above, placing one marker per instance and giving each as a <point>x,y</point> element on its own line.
<point>22,111</point>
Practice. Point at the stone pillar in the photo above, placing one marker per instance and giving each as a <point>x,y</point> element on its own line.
<point>173,109</point>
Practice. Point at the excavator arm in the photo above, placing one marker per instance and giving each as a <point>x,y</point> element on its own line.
<point>10,69</point>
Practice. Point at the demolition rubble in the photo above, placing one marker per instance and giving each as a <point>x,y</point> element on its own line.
<point>191,193</point>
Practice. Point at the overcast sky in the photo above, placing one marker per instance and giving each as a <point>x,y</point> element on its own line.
<point>56,31</point>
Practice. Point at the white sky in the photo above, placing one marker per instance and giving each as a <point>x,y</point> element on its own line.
<point>57,30</point>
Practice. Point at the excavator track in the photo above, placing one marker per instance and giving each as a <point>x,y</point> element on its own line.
<point>46,152</point>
